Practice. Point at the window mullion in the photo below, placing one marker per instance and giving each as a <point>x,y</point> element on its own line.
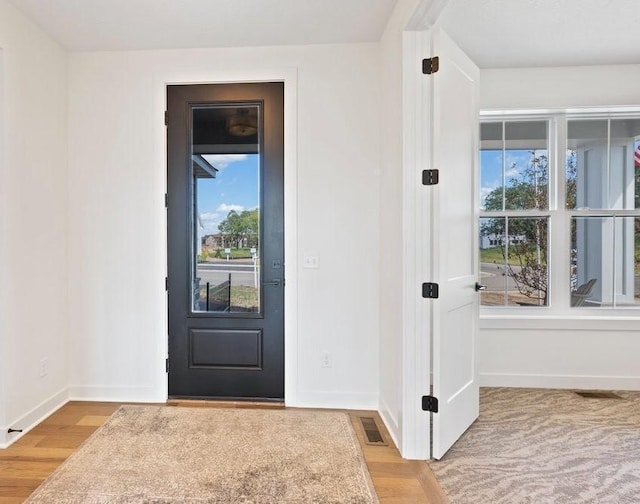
<point>504,168</point>
<point>559,224</point>
<point>607,196</point>
<point>560,169</point>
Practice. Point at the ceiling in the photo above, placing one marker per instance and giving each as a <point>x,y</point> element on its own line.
<point>495,33</point>
<point>534,33</point>
<point>113,25</point>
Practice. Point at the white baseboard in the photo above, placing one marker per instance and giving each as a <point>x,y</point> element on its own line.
<point>560,381</point>
<point>335,400</point>
<point>32,418</point>
<point>390,422</point>
<point>100,393</point>
<point>152,395</point>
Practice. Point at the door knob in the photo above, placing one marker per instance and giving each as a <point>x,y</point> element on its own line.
<point>275,282</point>
<point>480,287</point>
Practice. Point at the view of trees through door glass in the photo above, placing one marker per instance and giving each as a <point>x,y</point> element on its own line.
<point>226,209</point>
<point>514,199</point>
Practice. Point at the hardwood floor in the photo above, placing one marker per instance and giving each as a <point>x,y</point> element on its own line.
<point>31,459</point>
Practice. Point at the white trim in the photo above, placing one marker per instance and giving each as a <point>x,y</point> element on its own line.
<point>558,323</point>
<point>391,422</point>
<point>99,393</point>
<point>336,400</point>
<point>587,382</point>
<point>559,313</point>
<point>291,236</point>
<point>582,112</point>
<point>3,262</point>
<point>426,14</point>
<point>33,417</point>
<point>416,352</point>
<point>290,78</point>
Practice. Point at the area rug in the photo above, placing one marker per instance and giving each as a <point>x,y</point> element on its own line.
<point>159,455</point>
<point>546,447</point>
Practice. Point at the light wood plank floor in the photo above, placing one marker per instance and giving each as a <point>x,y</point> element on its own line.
<point>31,459</point>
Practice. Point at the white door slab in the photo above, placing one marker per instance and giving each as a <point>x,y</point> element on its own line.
<point>455,243</point>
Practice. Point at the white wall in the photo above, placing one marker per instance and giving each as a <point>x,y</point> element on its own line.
<point>560,351</point>
<point>556,353</point>
<point>117,217</point>
<point>33,240</point>
<point>561,87</point>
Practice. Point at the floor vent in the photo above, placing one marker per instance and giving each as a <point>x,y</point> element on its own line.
<point>592,394</point>
<point>371,432</point>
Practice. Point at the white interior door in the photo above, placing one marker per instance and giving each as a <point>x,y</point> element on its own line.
<point>455,243</point>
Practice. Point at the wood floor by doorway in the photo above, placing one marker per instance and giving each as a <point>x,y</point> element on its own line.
<point>29,461</point>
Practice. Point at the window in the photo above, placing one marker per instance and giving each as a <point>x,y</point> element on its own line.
<point>603,199</point>
<point>564,240</point>
<point>514,196</point>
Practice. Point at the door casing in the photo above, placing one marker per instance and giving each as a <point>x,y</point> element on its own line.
<point>289,77</point>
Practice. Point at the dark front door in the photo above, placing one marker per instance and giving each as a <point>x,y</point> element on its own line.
<point>226,240</point>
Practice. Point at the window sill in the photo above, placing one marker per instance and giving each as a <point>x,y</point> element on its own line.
<point>545,318</point>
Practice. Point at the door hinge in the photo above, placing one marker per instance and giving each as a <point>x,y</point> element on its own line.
<point>430,290</point>
<point>430,403</point>
<point>166,200</point>
<point>166,118</point>
<point>430,177</point>
<point>166,284</point>
<point>166,365</point>
<point>430,65</point>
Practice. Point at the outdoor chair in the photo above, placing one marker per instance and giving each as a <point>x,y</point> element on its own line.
<point>582,293</point>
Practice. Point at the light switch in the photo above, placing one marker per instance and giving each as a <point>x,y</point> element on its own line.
<point>311,262</point>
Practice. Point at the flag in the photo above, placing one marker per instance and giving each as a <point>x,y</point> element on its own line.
<point>636,156</point>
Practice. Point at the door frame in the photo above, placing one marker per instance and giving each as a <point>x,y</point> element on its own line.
<point>212,76</point>
<point>415,442</point>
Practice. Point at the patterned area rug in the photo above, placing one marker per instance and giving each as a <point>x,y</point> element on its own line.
<point>546,447</point>
<point>195,455</point>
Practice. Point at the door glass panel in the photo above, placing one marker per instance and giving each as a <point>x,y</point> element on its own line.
<point>225,152</point>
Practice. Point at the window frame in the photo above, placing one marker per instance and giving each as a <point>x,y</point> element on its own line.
<point>559,217</point>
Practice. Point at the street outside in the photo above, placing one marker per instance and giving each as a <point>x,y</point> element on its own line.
<point>242,273</point>
<point>496,278</point>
